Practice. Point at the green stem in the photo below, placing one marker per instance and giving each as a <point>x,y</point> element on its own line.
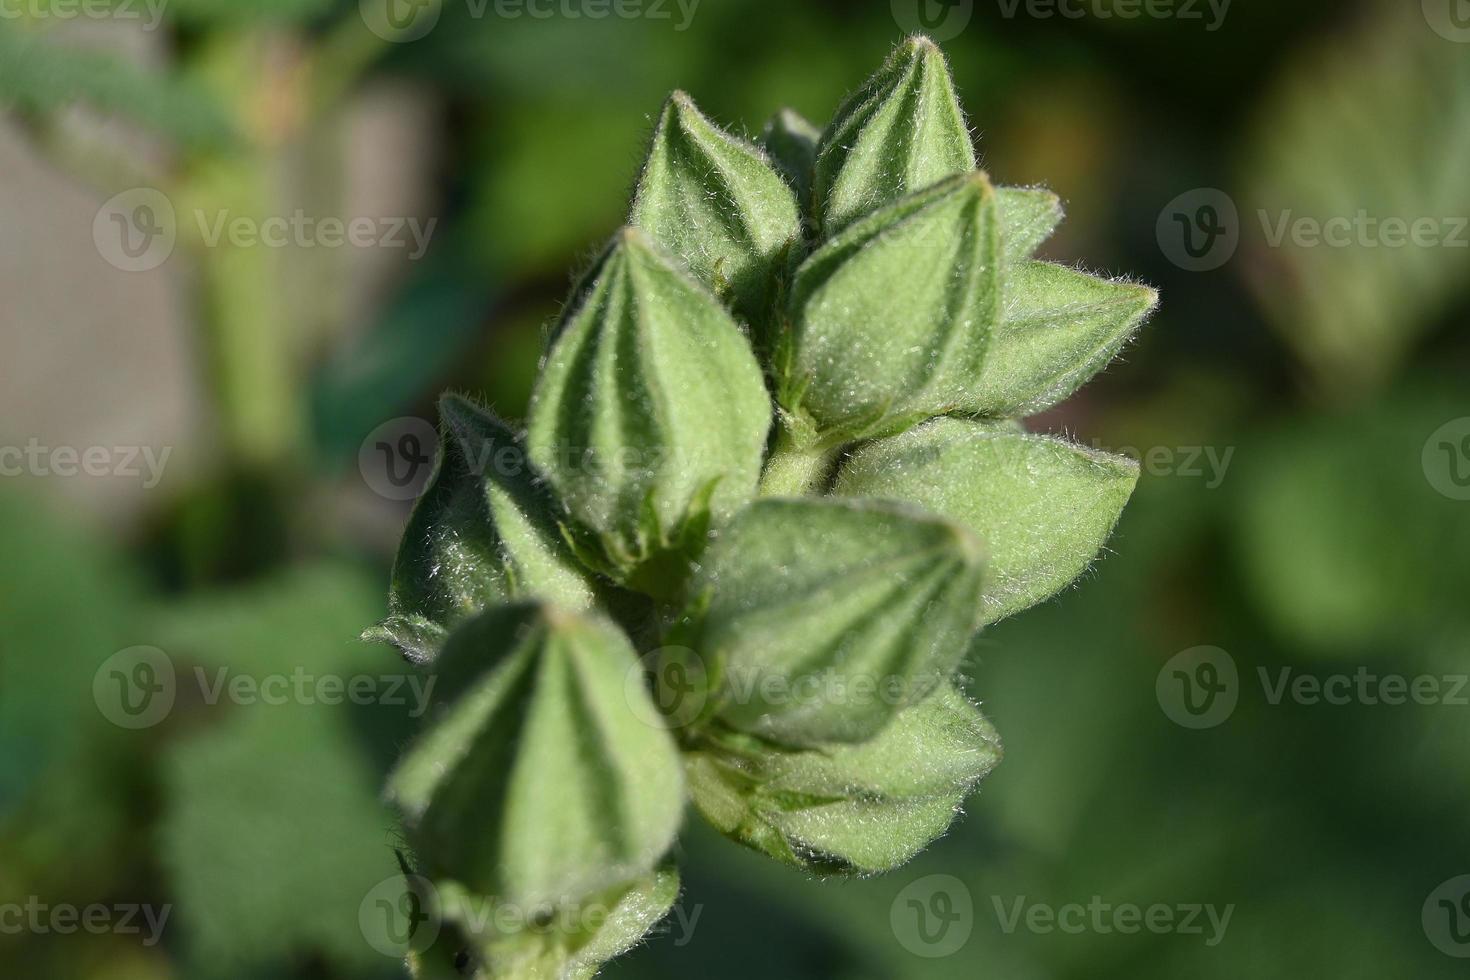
<point>794,469</point>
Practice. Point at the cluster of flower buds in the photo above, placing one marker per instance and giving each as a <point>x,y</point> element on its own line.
<point>771,485</point>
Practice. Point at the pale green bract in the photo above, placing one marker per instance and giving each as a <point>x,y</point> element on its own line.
<point>1044,506</point>
<point>814,809</point>
<point>656,596</point>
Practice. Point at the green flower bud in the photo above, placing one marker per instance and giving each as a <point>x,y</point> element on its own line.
<point>899,133</point>
<point>1060,327</point>
<point>715,201</point>
<point>791,142</point>
<point>483,532</point>
<point>826,617</point>
<point>894,316</point>
<point>1043,506</point>
<point>538,782</point>
<point>651,414</point>
<point>850,808</point>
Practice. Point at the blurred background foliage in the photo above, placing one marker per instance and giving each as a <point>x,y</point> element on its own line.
<point>1322,548</point>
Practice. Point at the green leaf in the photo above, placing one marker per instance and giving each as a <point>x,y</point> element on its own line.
<point>851,808</point>
<point>651,410</point>
<point>827,617</point>
<point>484,531</point>
<point>1367,128</point>
<point>894,316</point>
<point>40,76</point>
<point>1029,215</point>
<point>271,829</point>
<point>899,133</point>
<point>791,142</point>
<point>1043,506</point>
<point>538,782</point>
<point>715,201</point>
<point>1059,329</point>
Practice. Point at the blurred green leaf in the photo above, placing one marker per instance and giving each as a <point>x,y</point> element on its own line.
<point>1368,127</point>
<point>40,76</point>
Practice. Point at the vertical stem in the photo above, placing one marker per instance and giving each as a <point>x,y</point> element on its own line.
<point>794,469</point>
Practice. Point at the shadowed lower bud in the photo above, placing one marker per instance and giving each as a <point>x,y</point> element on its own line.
<point>827,617</point>
<point>538,781</point>
<point>850,808</point>
<point>1043,506</point>
<point>902,131</point>
<point>489,940</point>
<point>484,531</point>
<point>651,414</point>
<point>715,201</point>
<point>893,318</point>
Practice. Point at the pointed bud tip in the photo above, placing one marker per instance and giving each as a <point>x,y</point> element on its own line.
<point>1146,296</point>
<point>630,236</point>
<point>968,545</point>
<point>979,180</point>
<point>681,104</point>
